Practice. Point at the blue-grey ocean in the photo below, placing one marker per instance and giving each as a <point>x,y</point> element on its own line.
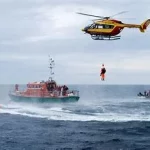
<point>106,117</point>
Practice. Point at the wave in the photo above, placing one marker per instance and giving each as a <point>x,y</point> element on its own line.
<point>116,112</point>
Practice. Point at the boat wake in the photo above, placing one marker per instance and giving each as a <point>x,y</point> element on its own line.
<point>115,112</point>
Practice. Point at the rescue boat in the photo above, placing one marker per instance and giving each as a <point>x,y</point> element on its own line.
<point>45,91</point>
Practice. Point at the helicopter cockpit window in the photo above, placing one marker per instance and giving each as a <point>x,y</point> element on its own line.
<point>107,26</point>
<point>111,26</point>
<point>99,26</point>
<point>88,26</point>
<point>93,26</point>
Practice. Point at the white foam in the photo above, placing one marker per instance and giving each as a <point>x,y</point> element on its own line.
<point>61,112</point>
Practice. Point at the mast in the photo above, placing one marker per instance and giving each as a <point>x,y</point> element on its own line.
<point>51,66</point>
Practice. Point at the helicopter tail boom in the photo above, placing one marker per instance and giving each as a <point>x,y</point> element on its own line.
<point>142,27</point>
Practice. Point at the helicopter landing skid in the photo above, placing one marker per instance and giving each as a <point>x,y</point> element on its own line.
<point>101,37</point>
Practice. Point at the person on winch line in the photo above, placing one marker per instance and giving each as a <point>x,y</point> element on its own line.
<point>102,73</point>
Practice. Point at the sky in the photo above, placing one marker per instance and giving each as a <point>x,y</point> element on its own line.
<point>31,30</point>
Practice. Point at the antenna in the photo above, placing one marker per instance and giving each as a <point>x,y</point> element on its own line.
<point>51,66</point>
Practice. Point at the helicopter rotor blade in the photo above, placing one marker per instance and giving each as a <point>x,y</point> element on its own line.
<point>90,15</point>
<point>97,20</point>
<point>101,17</point>
<point>122,12</point>
<point>127,18</point>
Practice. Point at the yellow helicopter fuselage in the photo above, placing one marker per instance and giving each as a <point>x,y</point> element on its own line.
<point>112,27</point>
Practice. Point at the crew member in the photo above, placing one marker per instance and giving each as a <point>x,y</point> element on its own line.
<point>16,87</point>
<point>102,72</point>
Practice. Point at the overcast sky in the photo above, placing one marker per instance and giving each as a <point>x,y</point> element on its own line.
<point>30,30</point>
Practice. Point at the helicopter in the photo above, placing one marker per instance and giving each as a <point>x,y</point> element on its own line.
<point>106,28</point>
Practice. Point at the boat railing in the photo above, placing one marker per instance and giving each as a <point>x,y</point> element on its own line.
<point>73,93</point>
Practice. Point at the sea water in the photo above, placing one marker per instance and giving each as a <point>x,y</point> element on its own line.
<point>109,117</point>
